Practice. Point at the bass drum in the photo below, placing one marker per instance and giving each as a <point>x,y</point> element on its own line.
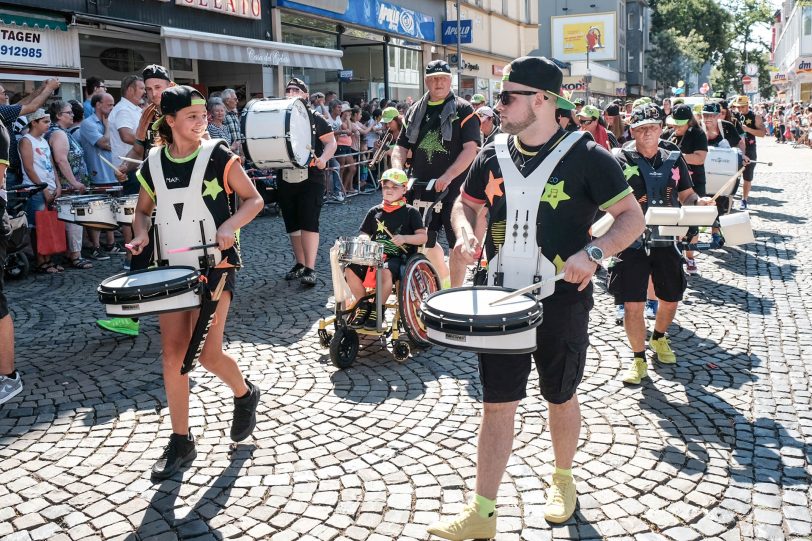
<point>418,281</point>
<point>277,133</point>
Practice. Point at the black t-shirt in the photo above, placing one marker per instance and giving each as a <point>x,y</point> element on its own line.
<point>587,179</point>
<point>320,130</point>
<point>431,155</point>
<point>692,141</point>
<point>749,120</point>
<point>729,133</point>
<point>5,143</point>
<point>404,221</point>
<point>681,177</point>
<point>215,190</point>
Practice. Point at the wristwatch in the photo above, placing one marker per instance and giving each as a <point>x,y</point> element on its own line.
<point>594,253</point>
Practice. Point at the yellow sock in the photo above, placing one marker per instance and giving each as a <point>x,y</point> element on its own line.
<point>561,471</point>
<point>485,507</point>
<point>445,283</point>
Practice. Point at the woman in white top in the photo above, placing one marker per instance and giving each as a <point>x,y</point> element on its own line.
<point>38,168</point>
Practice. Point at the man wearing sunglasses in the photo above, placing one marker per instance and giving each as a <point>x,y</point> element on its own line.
<point>582,180</point>
<point>442,133</point>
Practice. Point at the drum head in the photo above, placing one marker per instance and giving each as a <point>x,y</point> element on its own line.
<point>475,302</point>
<point>299,133</point>
<point>155,276</point>
<point>163,281</point>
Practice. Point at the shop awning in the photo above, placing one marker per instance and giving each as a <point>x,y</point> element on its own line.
<point>206,46</point>
<point>42,22</point>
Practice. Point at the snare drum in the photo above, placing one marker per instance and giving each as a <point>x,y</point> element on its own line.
<point>92,211</point>
<point>462,318</point>
<point>360,251</point>
<point>151,291</point>
<point>277,133</point>
<point>124,208</point>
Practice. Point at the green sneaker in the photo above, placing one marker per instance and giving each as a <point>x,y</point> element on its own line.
<point>662,350</point>
<point>121,325</point>
<point>636,372</point>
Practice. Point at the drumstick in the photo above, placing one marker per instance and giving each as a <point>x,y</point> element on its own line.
<point>190,248</point>
<point>109,163</point>
<point>727,184</point>
<point>465,240</point>
<point>768,164</point>
<point>131,160</point>
<point>391,236</point>
<point>527,289</point>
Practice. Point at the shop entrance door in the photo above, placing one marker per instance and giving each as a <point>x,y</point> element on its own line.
<point>364,66</point>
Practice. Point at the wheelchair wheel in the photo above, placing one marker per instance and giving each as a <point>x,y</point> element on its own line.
<point>419,280</point>
<point>401,350</point>
<point>344,348</point>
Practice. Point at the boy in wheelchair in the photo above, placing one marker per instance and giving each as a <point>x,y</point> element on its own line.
<point>399,227</point>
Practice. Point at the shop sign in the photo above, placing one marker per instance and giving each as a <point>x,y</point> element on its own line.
<point>250,9</point>
<point>25,46</point>
<point>498,69</point>
<point>375,14</point>
<point>345,75</point>
<point>778,79</point>
<point>267,57</point>
<point>804,66</point>
<point>450,31</point>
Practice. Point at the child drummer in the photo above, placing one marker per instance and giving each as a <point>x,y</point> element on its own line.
<point>191,181</point>
<point>396,225</point>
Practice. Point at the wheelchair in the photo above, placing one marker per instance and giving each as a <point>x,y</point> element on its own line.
<point>405,331</point>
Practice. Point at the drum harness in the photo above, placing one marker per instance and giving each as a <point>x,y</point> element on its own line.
<point>514,259</point>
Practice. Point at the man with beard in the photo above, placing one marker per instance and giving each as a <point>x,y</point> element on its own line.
<point>579,178</point>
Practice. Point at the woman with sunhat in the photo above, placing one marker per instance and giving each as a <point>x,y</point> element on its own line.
<point>189,181</point>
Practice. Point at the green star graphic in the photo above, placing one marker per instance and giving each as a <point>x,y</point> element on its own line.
<point>432,143</point>
<point>213,188</point>
<point>630,170</point>
<point>554,194</point>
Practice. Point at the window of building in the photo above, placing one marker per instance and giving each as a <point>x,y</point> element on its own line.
<point>622,59</point>
<point>631,21</point>
<point>807,23</point>
<point>505,7</point>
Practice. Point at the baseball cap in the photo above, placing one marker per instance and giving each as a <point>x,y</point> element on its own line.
<point>711,108</point>
<point>438,67</point>
<point>389,114</point>
<point>155,71</point>
<point>36,115</point>
<point>589,111</point>
<point>640,101</point>
<point>644,114</point>
<point>345,107</point>
<point>478,98</point>
<point>579,101</point>
<point>485,111</point>
<point>395,175</point>
<point>680,115</point>
<point>176,98</point>
<point>540,73</point>
<point>612,109</point>
<point>297,83</point>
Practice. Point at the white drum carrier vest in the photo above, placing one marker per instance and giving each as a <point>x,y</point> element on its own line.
<point>182,219</point>
<point>519,261</point>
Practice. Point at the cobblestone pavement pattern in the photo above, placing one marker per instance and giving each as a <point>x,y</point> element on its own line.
<point>717,447</point>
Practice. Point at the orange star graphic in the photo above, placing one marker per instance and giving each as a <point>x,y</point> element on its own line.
<point>494,189</point>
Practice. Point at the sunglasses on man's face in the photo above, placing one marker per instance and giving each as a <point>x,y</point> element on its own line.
<point>506,96</point>
<point>586,122</point>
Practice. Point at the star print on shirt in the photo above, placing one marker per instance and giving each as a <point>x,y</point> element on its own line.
<point>432,143</point>
<point>559,263</point>
<point>213,189</point>
<point>675,174</point>
<point>630,170</point>
<point>494,189</point>
<point>554,194</point>
<point>381,227</point>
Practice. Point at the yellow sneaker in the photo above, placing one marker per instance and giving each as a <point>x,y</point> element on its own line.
<point>561,499</point>
<point>467,525</point>
<point>662,350</point>
<point>636,372</point>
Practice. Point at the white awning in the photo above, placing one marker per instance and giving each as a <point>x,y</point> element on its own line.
<point>205,46</point>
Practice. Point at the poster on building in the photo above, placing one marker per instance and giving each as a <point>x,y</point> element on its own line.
<point>573,35</point>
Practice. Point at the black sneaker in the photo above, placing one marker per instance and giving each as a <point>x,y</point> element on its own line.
<point>295,272</point>
<point>97,255</point>
<point>245,413</point>
<point>179,452</point>
<point>361,315</point>
<point>113,249</point>
<point>308,277</point>
<point>371,324</point>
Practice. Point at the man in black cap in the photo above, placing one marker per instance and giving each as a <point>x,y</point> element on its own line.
<point>300,202</point>
<point>579,178</point>
<point>442,133</point>
<point>659,178</point>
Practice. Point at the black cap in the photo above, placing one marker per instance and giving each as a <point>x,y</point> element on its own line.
<point>648,113</point>
<point>579,101</point>
<point>723,104</point>
<point>438,67</point>
<point>680,115</point>
<point>175,98</point>
<point>612,110</point>
<point>155,71</point>
<point>540,73</point>
<point>721,94</point>
<point>711,108</point>
<point>298,83</point>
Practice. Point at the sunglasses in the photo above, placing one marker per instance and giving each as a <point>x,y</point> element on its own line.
<point>586,122</point>
<point>506,96</point>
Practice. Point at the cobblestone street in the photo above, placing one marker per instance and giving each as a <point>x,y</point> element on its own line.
<point>718,446</point>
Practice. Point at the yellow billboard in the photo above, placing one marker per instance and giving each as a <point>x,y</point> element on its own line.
<point>573,35</point>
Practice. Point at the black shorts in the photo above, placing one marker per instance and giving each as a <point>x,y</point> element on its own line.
<point>438,220</point>
<point>301,202</point>
<point>3,247</point>
<point>628,279</point>
<point>393,264</point>
<point>562,338</point>
<point>750,168</point>
<point>214,275</point>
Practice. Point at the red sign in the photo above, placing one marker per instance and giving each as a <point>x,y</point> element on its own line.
<point>746,80</point>
<point>498,70</point>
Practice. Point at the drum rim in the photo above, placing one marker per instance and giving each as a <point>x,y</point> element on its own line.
<point>473,349</point>
<point>493,325</point>
<point>163,289</point>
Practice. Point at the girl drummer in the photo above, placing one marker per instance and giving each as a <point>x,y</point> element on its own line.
<point>182,128</point>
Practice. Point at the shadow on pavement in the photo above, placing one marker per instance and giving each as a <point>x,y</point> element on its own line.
<point>713,292</point>
<point>778,216</point>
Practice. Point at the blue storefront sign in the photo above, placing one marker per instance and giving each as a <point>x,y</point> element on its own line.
<point>450,31</point>
<point>375,14</point>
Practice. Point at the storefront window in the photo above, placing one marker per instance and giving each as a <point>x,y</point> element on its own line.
<point>317,80</point>
<point>404,73</point>
<point>112,59</point>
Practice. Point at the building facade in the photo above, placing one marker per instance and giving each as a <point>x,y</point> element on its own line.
<point>792,51</point>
